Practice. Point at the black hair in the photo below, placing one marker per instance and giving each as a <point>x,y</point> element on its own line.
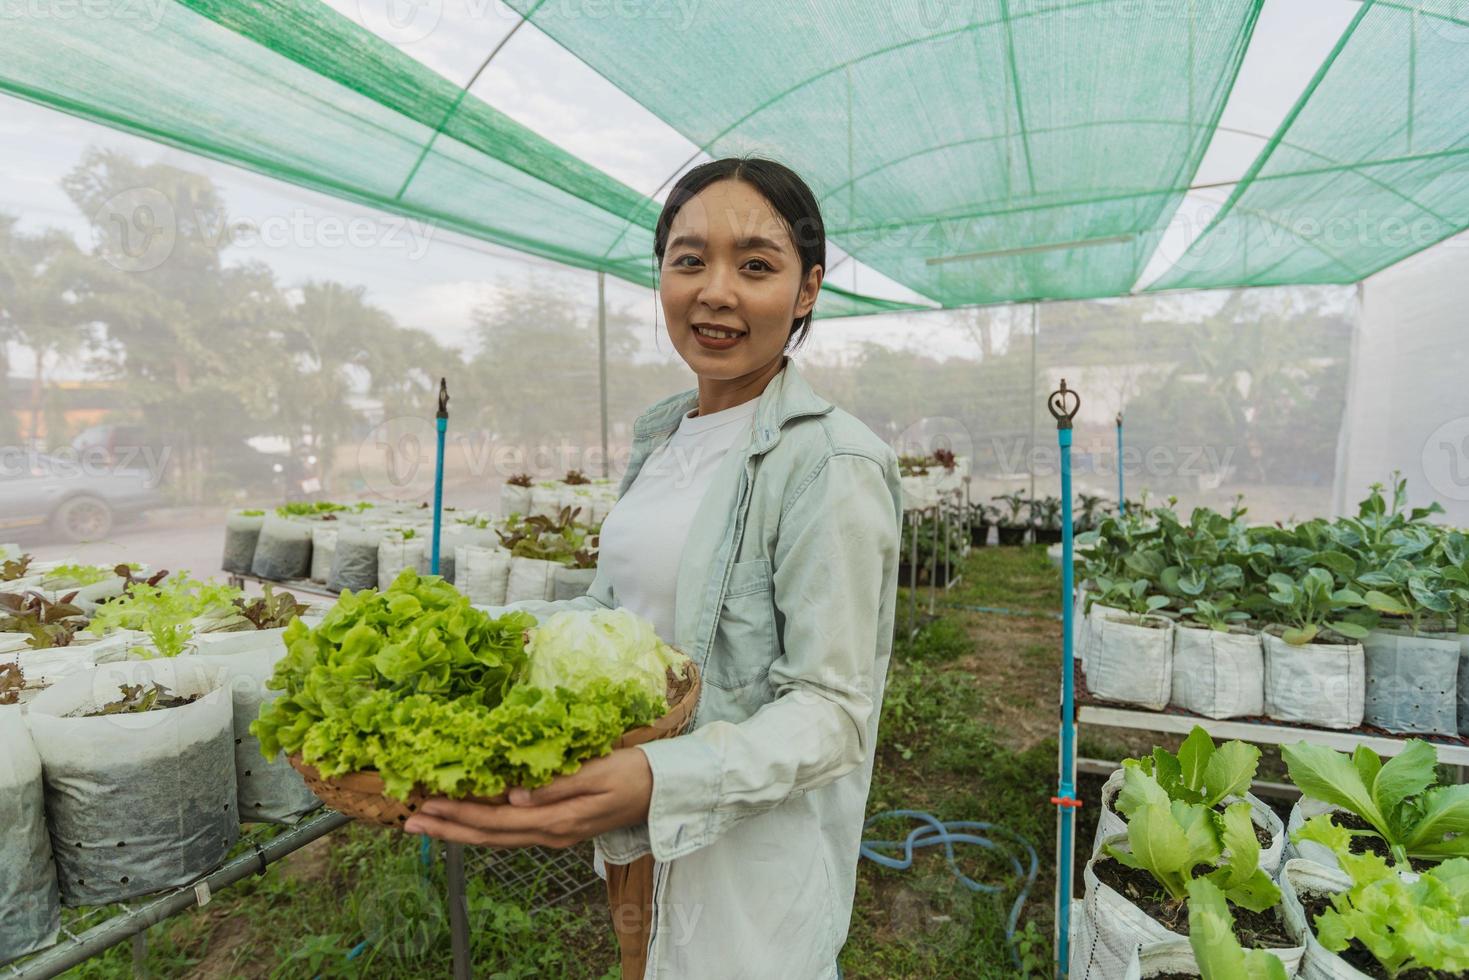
<point>789,197</point>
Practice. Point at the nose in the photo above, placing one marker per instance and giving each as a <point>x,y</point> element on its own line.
<point>718,291</point>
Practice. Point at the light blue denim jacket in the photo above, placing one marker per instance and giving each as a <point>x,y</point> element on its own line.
<point>786,591</point>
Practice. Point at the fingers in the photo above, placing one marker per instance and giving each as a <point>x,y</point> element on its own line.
<point>456,833</point>
<point>583,782</point>
<point>479,816</point>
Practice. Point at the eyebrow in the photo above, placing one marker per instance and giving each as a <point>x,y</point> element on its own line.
<point>750,241</point>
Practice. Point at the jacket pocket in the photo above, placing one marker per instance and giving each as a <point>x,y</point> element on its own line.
<point>744,643</point>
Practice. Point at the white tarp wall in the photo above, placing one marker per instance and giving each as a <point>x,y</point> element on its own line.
<point>1407,405</point>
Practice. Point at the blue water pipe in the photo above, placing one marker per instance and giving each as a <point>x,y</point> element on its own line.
<point>1064,404</point>
<point>441,422</point>
<point>933,832</point>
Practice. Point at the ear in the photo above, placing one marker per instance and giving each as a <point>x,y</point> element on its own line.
<point>806,299</point>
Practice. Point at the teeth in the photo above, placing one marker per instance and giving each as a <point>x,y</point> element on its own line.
<point>717,334</point>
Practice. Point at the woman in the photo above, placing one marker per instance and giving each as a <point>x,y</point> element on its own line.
<point>757,528</point>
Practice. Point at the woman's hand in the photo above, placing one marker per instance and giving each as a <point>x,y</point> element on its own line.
<point>602,795</point>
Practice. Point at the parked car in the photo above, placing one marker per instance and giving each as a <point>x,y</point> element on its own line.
<point>77,502</point>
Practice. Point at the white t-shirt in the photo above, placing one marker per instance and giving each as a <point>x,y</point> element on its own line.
<point>643,535</point>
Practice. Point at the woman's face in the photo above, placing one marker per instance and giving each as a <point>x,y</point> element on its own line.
<point>731,282</point>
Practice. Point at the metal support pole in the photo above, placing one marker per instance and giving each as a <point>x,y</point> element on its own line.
<point>913,525</point>
<point>1121,498</point>
<point>63,956</point>
<point>933,565</point>
<point>458,909</point>
<point>1064,409</point>
<point>1030,456</point>
<point>602,359</point>
<point>441,424</point>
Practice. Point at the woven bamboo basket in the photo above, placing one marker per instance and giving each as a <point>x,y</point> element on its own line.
<point>360,796</point>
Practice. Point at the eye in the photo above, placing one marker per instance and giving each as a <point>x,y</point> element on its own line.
<point>762,262</point>
<point>678,262</point>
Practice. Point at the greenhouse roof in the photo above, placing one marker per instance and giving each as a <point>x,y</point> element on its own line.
<point>992,151</point>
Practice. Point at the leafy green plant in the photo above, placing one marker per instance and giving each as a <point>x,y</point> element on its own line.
<point>1407,922</point>
<point>50,624</point>
<point>165,609</point>
<point>138,698</point>
<point>983,514</point>
<point>575,478</point>
<point>1172,840</point>
<point>1017,503</point>
<point>1310,604</point>
<point>274,610</point>
<point>303,508</point>
<point>1216,948</point>
<point>913,465</point>
<point>1397,799</point>
<point>1045,513</point>
<point>12,682</point>
<point>1089,511</point>
<point>79,575</point>
<point>1219,613</point>
<point>1199,773</point>
<point>15,568</point>
<point>519,480</point>
<point>252,513</point>
<point>560,539</point>
<point>1129,595</point>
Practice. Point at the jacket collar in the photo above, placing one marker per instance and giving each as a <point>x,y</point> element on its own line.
<point>787,397</point>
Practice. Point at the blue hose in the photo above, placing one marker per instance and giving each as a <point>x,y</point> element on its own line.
<point>934,832</point>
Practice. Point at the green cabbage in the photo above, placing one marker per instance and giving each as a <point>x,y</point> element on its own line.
<point>573,650</point>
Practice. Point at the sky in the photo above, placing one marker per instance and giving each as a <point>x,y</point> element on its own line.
<point>433,279</point>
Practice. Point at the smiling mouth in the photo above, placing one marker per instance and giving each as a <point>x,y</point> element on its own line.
<point>715,333</point>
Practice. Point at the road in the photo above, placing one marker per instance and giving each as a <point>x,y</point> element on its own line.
<point>175,540</point>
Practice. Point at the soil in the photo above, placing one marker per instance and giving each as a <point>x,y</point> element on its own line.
<point>159,705</point>
<point>1255,930</point>
<point>1356,955</point>
<point>1367,844</point>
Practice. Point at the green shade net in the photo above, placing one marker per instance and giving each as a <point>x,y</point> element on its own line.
<point>1371,166</point>
<point>293,90</point>
<point>974,152</point>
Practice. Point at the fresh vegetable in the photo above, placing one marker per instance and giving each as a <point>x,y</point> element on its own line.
<point>1398,798</point>
<point>50,624</point>
<point>417,684</point>
<point>166,610</point>
<point>1216,948</point>
<point>137,698</point>
<point>1407,922</point>
<point>272,611</point>
<point>301,508</point>
<point>78,575</point>
<point>1173,841</point>
<point>1199,773</point>
<point>574,650</point>
<point>12,682</point>
<point>15,568</point>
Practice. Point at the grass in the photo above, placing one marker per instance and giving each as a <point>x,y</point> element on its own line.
<point>968,733</point>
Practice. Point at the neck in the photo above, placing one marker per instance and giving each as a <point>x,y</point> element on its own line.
<point>717,394</point>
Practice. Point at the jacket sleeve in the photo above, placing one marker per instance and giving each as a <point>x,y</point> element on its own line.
<point>836,545</point>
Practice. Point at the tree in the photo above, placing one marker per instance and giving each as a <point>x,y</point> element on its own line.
<point>40,279</point>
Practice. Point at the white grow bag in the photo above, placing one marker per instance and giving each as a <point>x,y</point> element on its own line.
<point>138,802</point>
